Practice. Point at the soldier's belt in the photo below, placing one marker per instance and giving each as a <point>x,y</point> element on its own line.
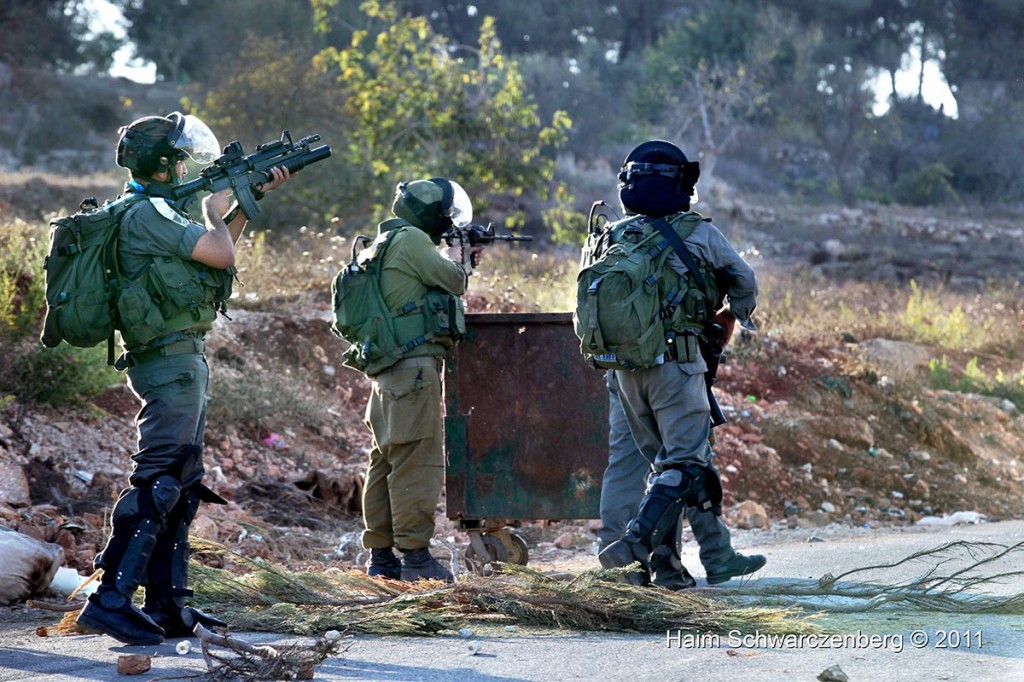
<point>187,346</point>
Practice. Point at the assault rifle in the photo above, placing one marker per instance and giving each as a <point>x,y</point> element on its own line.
<point>478,235</point>
<point>235,170</point>
<point>712,347</point>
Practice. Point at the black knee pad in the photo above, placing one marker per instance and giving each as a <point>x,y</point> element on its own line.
<point>707,489</point>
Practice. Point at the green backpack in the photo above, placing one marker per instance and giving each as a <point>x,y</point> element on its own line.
<point>83,278</point>
<point>628,310</point>
<point>378,337</point>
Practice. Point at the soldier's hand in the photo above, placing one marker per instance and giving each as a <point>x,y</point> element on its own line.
<point>475,253</point>
<point>456,252</point>
<point>280,175</point>
<point>727,321</point>
<point>216,204</point>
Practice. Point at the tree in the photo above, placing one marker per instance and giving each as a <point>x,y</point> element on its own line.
<point>68,43</point>
<point>190,40</point>
<point>422,106</point>
<point>705,79</point>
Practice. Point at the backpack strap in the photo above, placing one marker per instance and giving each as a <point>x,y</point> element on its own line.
<point>111,261</point>
<point>669,233</point>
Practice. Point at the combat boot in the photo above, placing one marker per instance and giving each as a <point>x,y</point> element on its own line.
<point>736,566</point>
<point>669,571</point>
<point>180,621</point>
<point>384,563</point>
<point>108,612</point>
<point>417,564</point>
<point>623,552</point>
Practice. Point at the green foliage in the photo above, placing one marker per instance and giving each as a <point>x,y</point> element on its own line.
<point>928,319</point>
<point>423,107</point>
<point>273,70</point>
<point>975,380</point>
<point>57,376</point>
<point>61,376</point>
<point>22,285</point>
<point>928,186</point>
<point>568,226</point>
<point>938,374</point>
<point>68,41</point>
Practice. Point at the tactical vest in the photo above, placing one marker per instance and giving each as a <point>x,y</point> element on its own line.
<point>380,336</point>
<point>171,294</point>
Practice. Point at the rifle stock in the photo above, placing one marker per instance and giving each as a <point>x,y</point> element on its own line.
<point>242,173</point>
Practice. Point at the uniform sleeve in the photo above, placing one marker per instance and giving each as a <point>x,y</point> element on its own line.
<point>742,289</point>
<point>429,265</point>
<point>153,228</point>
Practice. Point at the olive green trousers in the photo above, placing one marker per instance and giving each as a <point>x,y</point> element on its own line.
<point>406,467</point>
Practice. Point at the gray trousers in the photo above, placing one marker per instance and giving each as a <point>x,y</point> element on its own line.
<point>172,391</point>
<point>625,479</point>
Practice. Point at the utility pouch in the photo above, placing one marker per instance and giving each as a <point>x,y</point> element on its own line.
<point>444,315</point>
<point>141,320</point>
<point>177,286</point>
<point>217,283</point>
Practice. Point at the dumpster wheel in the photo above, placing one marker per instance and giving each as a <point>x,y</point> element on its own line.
<point>492,546</point>
<point>518,552</point>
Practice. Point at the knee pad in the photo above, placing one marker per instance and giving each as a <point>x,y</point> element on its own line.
<point>165,492</point>
<point>707,490</point>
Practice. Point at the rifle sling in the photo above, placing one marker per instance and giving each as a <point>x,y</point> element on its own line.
<point>677,245</point>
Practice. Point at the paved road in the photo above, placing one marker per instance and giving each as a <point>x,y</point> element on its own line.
<point>966,648</point>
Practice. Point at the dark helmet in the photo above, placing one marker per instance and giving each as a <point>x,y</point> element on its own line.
<point>435,205</point>
<point>154,144</point>
<point>657,179</point>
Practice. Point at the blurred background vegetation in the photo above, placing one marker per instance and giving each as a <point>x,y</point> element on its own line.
<point>532,104</point>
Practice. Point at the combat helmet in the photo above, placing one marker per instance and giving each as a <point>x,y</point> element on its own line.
<point>154,144</point>
<point>434,205</point>
<point>657,179</point>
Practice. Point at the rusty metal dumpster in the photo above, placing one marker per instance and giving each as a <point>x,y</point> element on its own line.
<point>526,430</point>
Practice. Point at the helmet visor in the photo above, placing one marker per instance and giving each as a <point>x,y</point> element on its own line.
<point>461,211</point>
<point>193,137</point>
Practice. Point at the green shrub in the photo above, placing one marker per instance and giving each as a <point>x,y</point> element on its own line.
<point>927,186</point>
<point>258,397</point>
<point>22,284</point>
<point>64,375</point>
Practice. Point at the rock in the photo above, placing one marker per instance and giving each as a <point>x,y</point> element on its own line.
<point>564,541</point>
<point>920,455</point>
<point>898,359</point>
<point>749,514</point>
<point>204,527</point>
<point>14,489</point>
<point>833,674</point>
<point>828,507</point>
<point>134,664</point>
<point>817,518</point>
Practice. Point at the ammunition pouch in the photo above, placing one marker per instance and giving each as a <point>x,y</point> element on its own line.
<point>438,317</point>
<point>171,295</point>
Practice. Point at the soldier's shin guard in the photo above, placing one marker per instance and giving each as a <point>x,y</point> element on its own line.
<point>656,519</point>
<point>136,522</point>
<point>167,578</point>
<point>658,515</point>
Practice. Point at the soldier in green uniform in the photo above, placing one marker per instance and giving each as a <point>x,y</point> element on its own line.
<point>179,274</point>
<point>406,465</point>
